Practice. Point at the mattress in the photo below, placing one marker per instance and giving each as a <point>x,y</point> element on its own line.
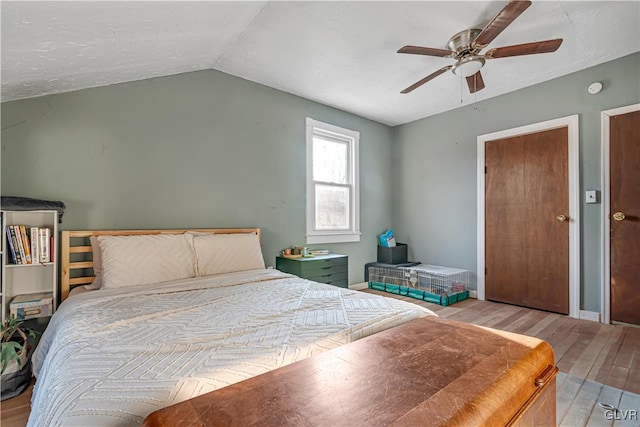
<point>111,357</point>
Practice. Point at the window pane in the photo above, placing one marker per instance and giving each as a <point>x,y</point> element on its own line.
<point>330,160</point>
<point>332,207</point>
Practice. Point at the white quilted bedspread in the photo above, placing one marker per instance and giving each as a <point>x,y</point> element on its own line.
<point>111,357</point>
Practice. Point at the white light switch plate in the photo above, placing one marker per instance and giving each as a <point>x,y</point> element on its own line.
<point>590,196</point>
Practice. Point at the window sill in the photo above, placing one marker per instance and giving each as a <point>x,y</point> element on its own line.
<point>332,238</point>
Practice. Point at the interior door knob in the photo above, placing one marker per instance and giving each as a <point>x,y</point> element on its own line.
<point>619,216</point>
<point>562,218</point>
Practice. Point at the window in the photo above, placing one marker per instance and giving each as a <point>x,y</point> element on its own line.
<point>333,196</point>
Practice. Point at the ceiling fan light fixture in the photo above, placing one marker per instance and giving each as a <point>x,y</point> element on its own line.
<point>468,66</point>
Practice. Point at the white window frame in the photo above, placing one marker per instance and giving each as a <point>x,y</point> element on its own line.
<point>352,138</point>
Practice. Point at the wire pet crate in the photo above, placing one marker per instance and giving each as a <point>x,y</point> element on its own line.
<point>437,279</point>
<point>436,284</point>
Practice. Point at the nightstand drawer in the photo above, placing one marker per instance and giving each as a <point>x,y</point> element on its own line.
<point>324,269</point>
<point>330,277</point>
<point>314,264</point>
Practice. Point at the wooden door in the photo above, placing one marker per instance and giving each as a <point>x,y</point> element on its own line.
<point>624,149</point>
<point>526,239</point>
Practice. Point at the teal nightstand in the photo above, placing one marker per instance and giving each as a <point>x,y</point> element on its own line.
<point>332,269</point>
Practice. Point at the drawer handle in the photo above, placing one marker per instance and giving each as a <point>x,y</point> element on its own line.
<point>548,374</point>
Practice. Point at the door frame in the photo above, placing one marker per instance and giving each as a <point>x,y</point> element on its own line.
<point>605,181</point>
<point>571,123</point>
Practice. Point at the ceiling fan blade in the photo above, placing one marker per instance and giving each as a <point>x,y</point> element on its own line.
<point>475,82</point>
<point>419,50</point>
<point>506,16</point>
<point>426,79</point>
<point>545,46</point>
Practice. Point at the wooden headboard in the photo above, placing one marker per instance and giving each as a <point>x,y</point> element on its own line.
<point>76,254</point>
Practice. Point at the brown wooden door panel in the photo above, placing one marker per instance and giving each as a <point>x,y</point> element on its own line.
<point>506,156</point>
<point>526,248</point>
<point>500,287</point>
<point>624,149</point>
<point>546,287</point>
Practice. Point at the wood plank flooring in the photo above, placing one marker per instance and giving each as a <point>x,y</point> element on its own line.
<point>15,411</point>
<point>598,362</point>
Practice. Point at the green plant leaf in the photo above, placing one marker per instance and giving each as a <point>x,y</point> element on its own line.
<point>10,352</point>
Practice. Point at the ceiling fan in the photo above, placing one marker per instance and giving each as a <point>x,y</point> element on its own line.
<point>466,45</point>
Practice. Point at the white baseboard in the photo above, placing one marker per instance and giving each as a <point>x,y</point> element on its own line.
<point>473,294</point>
<point>359,286</point>
<point>593,316</point>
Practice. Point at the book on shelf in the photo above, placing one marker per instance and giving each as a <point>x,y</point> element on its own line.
<point>14,240</point>
<point>16,229</point>
<point>25,243</point>
<point>12,251</point>
<point>45,237</point>
<point>35,247</point>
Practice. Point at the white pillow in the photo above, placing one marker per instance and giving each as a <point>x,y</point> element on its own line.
<point>97,265</point>
<point>143,259</point>
<point>227,253</point>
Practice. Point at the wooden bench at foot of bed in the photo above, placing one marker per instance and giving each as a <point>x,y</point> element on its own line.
<point>428,371</point>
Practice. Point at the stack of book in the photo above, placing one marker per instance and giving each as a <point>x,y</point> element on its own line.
<point>319,251</point>
<point>29,245</point>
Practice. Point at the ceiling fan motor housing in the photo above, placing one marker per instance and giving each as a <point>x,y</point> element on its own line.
<point>460,43</point>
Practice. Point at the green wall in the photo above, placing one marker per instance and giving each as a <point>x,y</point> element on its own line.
<point>435,191</point>
<point>202,149</point>
<point>206,149</point>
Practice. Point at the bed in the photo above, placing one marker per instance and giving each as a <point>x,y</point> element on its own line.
<point>178,314</point>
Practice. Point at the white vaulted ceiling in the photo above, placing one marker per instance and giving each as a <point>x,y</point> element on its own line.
<point>342,54</point>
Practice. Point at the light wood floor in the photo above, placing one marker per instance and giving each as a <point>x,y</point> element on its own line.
<point>597,362</point>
